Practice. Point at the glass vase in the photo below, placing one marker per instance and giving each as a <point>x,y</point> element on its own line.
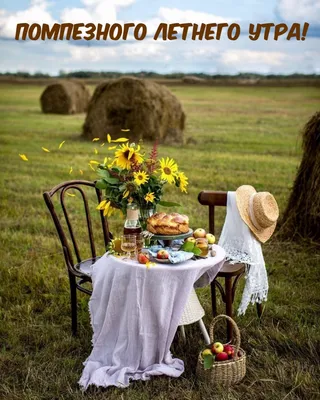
<point>145,213</point>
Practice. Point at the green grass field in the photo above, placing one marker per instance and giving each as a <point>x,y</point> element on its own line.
<point>243,136</point>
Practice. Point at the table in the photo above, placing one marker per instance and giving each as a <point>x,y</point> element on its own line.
<point>135,313</point>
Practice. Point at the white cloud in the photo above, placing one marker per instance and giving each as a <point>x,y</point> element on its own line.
<point>36,13</point>
<point>249,60</point>
<point>300,10</point>
<point>97,11</point>
<point>172,15</point>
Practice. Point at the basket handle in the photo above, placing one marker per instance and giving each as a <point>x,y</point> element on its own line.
<point>235,329</point>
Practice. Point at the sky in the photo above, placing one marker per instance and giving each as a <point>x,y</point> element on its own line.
<point>214,57</point>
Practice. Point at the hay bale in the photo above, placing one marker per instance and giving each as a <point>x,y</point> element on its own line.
<point>189,79</point>
<point>148,109</point>
<point>302,215</point>
<point>65,97</point>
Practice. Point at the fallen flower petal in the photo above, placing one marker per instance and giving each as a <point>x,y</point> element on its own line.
<point>23,157</point>
<point>61,144</point>
<point>46,150</point>
<point>95,139</point>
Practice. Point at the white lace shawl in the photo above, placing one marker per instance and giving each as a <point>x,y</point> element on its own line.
<point>241,246</point>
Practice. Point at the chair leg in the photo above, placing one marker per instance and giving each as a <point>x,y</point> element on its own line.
<point>228,294</point>
<point>204,331</point>
<point>183,333</point>
<point>213,299</point>
<point>259,310</point>
<point>73,292</point>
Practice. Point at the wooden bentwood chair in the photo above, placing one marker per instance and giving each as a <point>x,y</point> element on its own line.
<point>230,272</point>
<point>79,272</point>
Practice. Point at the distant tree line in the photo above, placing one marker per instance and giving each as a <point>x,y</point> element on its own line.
<point>155,75</point>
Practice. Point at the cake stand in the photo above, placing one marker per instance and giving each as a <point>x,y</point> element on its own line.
<point>167,239</point>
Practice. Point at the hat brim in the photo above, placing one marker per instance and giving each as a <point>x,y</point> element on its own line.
<point>243,194</point>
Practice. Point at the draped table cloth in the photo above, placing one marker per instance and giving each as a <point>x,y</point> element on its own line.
<point>135,313</point>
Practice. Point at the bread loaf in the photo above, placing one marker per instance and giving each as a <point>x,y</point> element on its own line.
<point>168,224</point>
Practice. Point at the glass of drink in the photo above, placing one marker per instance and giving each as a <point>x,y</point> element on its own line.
<point>202,244</point>
<point>128,244</point>
<point>140,242</point>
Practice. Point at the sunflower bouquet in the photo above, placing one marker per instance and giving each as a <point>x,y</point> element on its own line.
<point>134,176</point>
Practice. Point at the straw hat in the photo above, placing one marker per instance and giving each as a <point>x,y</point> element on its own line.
<point>258,210</point>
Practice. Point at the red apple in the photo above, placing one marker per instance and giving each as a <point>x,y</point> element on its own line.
<point>199,233</point>
<point>143,258</point>
<point>229,350</point>
<point>217,347</point>
<point>222,356</point>
<point>163,255</point>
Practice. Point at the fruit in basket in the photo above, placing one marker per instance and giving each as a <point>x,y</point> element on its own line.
<point>199,233</point>
<point>190,239</point>
<point>211,238</point>
<point>206,352</point>
<point>223,356</point>
<point>217,348</point>
<point>162,255</point>
<point>143,258</point>
<point>229,350</point>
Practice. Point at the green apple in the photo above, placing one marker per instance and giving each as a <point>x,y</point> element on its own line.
<point>190,239</point>
<point>211,238</point>
<point>206,352</point>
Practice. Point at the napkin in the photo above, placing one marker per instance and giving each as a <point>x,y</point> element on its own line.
<point>175,257</point>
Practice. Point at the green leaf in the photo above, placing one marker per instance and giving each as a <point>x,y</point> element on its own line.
<point>101,184</point>
<point>196,251</point>
<point>188,246</point>
<point>169,204</point>
<point>208,361</point>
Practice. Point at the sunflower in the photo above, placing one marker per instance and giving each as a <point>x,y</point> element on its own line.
<point>127,155</point>
<point>149,197</point>
<point>140,177</point>
<point>168,168</point>
<point>183,182</point>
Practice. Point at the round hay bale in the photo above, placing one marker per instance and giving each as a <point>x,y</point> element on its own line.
<point>66,97</point>
<point>302,216</point>
<point>148,109</point>
<point>189,79</point>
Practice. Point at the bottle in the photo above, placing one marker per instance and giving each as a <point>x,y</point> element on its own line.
<point>132,224</point>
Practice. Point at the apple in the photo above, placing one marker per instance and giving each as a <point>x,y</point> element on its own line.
<point>222,356</point>
<point>143,258</point>
<point>206,352</point>
<point>190,239</point>
<point>163,255</point>
<point>202,243</point>
<point>199,233</point>
<point>229,350</point>
<point>217,348</point>
<point>211,238</point>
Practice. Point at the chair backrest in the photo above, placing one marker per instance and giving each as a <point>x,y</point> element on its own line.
<point>212,199</point>
<point>60,191</point>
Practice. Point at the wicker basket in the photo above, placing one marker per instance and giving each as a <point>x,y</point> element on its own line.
<point>225,373</point>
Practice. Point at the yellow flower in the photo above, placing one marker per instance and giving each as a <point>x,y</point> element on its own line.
<point>183,182</point>
<point>23,157</point>
<point>168,168</point>
<point>149,197</point>
<point>128,155</point>
<point>140,177</point>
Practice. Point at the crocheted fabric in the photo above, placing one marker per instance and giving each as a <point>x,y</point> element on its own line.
<point>242,247</point>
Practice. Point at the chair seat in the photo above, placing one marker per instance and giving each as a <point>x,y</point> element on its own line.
<point>85,266</point>
<point>231,269</point>
<point>193,310</point>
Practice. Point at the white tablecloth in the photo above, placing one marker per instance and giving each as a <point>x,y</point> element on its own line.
<point>135,313</point>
